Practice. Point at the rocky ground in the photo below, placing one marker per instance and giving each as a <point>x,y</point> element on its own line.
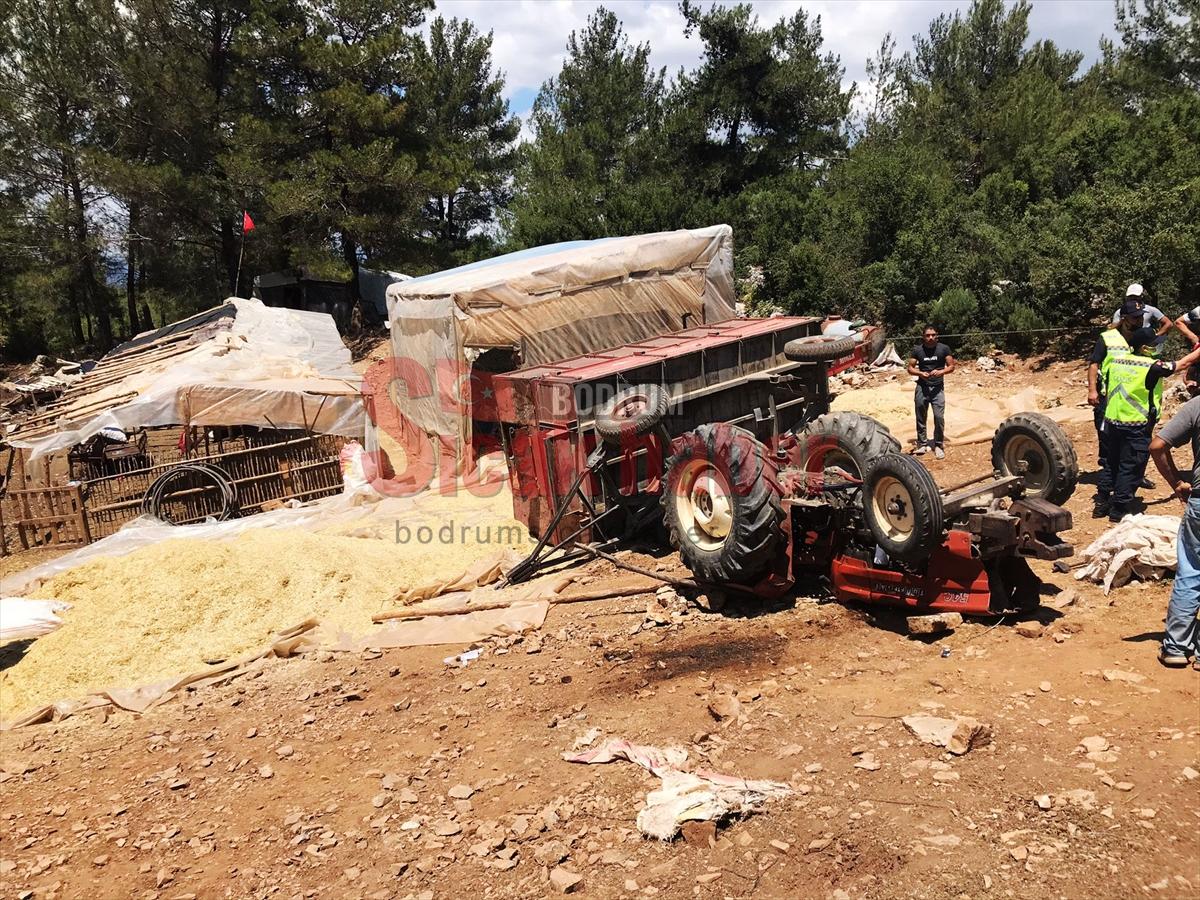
<point>396,775</point>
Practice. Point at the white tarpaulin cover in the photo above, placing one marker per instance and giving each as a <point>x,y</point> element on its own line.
<point>249,364</point>
<point>549,303</point>
<point>1138,545</point>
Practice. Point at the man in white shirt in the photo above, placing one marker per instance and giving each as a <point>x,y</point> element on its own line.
<point>1153,317</point>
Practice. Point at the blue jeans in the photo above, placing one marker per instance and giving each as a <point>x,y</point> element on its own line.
<point>1183,632</point>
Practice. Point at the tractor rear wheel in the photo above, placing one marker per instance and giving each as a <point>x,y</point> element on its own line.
<point>902,507</point>
<point>846,440</point>
<point>722,504</point>
<point>1051,467</point>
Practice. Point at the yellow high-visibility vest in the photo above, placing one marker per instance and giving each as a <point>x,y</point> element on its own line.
<point>1130,402</point>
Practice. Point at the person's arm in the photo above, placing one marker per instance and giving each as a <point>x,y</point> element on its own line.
<point>1159,370</point>
<point>1093,380</point>
<point>1160,452</point>
<point>1185,362</point>
<point>912,368</point>
<point>1166,323</point>
<point>948,367</point>
<point>1181,324</point>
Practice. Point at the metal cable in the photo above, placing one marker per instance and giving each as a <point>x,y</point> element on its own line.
<point>153,500</point>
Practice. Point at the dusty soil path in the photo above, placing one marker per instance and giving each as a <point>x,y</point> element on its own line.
<point>394,775</point>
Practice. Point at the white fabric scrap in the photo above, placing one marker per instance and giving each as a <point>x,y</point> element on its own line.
<point>684,796</point>
<point>888,358</point>
<point>1138,545</point>
<point>22,619</point>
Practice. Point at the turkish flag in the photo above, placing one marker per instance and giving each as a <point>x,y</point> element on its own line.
<point>247,222</point>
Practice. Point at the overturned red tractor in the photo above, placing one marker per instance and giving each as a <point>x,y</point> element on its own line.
<point>720,439</point>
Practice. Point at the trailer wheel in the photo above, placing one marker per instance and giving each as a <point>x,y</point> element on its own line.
<point>632,412</point>
<point>848,440</point>
<point>818,348</point>
<point>903,507</point>
<point>1051,467</point>
<point>722,504</point>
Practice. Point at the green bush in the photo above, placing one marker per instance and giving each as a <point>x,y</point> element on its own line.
<point>1023,319</point>
<point>956,314</point>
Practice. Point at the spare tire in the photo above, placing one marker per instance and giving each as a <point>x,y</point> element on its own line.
<point>722,504</point>
<point>1051,466</point>
<point>848,440</point>
<point>902,507</point>
<point>819,348</point>
<point>632,412</point>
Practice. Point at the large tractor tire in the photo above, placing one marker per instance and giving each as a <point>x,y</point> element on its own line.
<point>847,440</point>
<point>1051,467</point>
<point>722,504</point>
<point>819,348</point>
<point>632,412</point>
<point>902,507</point>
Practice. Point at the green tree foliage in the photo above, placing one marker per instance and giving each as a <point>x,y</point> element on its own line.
<point>133,135</point>
<point>598,165</point>
<point>53,77</point>
<point>469,136</point>
<point>764,101</point>
<point>353,177</point>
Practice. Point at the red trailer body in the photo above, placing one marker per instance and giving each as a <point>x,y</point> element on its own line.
<point>734,371</point>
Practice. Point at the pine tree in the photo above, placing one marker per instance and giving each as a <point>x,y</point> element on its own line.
<point>596,155</point>
<point>353,179</point>
<point>467,132</point>
<point>53,81</point>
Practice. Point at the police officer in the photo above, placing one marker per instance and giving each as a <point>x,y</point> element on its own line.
<point>1132,381</point>
<point>1151,317</point>
<point>1129,319</point>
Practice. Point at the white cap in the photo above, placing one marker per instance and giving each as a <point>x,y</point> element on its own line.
<point>1134,290</point>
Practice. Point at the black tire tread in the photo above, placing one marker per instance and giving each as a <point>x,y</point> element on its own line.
<point>1050,435</point>
<point>613,429</point>
<point>927,507</point>
<point>758,511</point>
<point>818,348</point>
<point>862,438</point>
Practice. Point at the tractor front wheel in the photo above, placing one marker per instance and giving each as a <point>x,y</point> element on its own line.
<point>903,507</point>
<point>722,504</point>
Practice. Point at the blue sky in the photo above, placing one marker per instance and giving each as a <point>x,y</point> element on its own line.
<point>530,35</point>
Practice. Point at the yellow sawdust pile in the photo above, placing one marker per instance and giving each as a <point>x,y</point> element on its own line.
<point>891,404</point>
<point>166,609</point>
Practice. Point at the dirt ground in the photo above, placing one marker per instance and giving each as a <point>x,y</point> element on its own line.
<point>396,775</point>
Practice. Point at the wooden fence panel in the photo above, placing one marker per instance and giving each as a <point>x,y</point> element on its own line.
<point>43,517</point>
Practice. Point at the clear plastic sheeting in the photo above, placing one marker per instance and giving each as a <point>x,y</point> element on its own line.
<point>275,368</point>
<point>544,304</point>
<point>22,619</point>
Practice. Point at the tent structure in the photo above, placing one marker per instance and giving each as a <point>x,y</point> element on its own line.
<point>241,363</point>
<point>537,306</point>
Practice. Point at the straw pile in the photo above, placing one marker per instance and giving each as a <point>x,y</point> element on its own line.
<point>169,608</point>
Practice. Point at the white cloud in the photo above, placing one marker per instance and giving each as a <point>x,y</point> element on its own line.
<point>530,36</point>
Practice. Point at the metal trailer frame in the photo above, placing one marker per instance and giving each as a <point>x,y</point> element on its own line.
<point>733,371</point>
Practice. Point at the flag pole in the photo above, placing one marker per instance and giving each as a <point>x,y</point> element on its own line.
<point>237,281</point>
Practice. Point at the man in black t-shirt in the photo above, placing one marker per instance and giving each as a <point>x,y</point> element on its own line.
<point>929,362</point>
